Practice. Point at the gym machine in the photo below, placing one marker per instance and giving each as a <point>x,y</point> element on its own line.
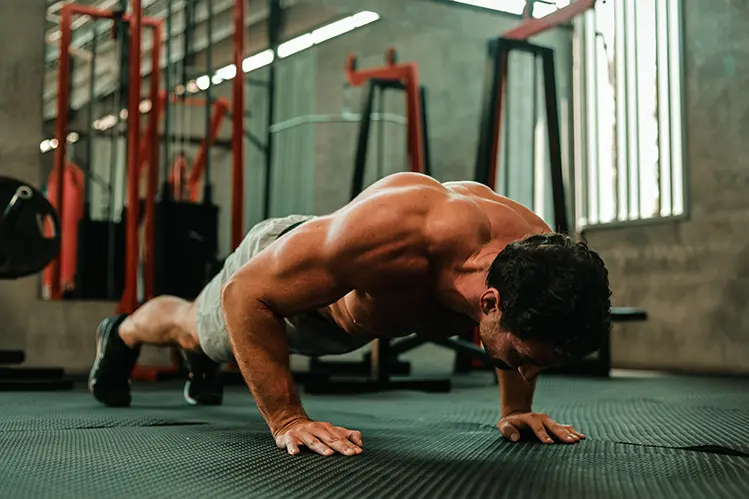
<point>381,369</point>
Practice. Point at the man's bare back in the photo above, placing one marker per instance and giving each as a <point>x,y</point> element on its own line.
<point>409,255</point>
<point>436,240</point>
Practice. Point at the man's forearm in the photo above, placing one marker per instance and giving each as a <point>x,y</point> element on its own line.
<point>262,354</point>
<point>516,394</point>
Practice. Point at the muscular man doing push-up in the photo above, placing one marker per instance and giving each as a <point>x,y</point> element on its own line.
<point>408,255</point>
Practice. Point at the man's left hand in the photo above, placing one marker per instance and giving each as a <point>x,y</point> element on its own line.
<point>545,429</point>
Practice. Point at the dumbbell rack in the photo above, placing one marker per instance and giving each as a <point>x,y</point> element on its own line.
<point>17,379</point>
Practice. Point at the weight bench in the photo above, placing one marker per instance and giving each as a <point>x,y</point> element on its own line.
<point>383,370</point>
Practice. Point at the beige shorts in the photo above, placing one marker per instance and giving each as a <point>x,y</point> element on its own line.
<point>308,334</point>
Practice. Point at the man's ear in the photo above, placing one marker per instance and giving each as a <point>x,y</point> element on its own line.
<point>490,301</point>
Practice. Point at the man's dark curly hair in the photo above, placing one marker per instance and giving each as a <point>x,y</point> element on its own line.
<point>555,290</point>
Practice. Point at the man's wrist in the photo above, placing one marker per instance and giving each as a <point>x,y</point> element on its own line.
<point>282,421</point>
<point>511,411</point>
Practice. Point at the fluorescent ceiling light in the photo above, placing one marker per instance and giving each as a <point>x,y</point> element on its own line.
<point>332,30</point>
<point>203,82</point>
<point>264,58</point>
<point>257,61</point>
<point>227,72</point>
<point>365,17</point>
<point>295,45</point>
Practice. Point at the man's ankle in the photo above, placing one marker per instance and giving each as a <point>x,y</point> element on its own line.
<point>125,332</point>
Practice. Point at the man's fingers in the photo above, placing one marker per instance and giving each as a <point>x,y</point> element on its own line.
<point>509,431</point>
<point>315,445</point>
<point>292,445</point>
<point>354,436</point>
<point>562,433</point>
<point>574,431</point>
<point>337,441</point>
<point>540,431</point>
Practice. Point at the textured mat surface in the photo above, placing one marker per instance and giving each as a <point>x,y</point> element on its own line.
<point>417,445</point>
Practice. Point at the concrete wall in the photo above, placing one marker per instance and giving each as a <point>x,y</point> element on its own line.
<point>693,275</point>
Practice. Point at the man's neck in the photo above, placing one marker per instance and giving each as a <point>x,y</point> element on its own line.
<point>470,282</point>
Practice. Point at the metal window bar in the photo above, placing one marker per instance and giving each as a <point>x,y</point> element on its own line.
<point>630,22</point>
<point>593,214</point>
<point>583,130</point>
<point>622,125</point>
<point>675,41</point>
<point>664,110</point>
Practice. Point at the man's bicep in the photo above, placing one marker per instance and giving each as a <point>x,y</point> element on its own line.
<point>295,274</point>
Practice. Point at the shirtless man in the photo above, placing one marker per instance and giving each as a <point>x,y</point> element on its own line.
<point>408,255</point>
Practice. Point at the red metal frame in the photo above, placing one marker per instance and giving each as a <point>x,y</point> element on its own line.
<point>237,137</point>
<point>408,74</point>
<point>220,110</point>
<point>129,300</point>
<point>177,176</point>
<point>532,27</point>
<point>136,19</point>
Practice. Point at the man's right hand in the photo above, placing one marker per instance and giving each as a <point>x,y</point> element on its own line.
<point>323,438</point>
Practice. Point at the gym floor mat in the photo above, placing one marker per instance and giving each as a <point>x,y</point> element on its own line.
<point>660,438</point>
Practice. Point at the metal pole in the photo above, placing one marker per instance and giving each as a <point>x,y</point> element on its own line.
<point>167,104</point>
<point>381,136</point>
<point>63,94</point>
<point>207,186</point>
<point>237,137</point>
<point>153,164</point>
<point>122,34</point>
<point>534,121</point>
<point>129,300</point>
<point>187,61</point>
<point>90,125</point>
<point>274,38</point>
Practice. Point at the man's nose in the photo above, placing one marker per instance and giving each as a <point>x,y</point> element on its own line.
<point>529,373</point>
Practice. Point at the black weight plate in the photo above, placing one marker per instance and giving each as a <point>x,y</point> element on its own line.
<point>24,247</point>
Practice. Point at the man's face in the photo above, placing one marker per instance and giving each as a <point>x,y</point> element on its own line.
<point>528,357</point>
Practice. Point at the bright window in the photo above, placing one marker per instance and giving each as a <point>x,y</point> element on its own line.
<point>540,8</point>
<point>630,164</point>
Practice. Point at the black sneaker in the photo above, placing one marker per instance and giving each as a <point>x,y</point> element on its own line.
<point>109,380</point>
<point>203,386</point>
